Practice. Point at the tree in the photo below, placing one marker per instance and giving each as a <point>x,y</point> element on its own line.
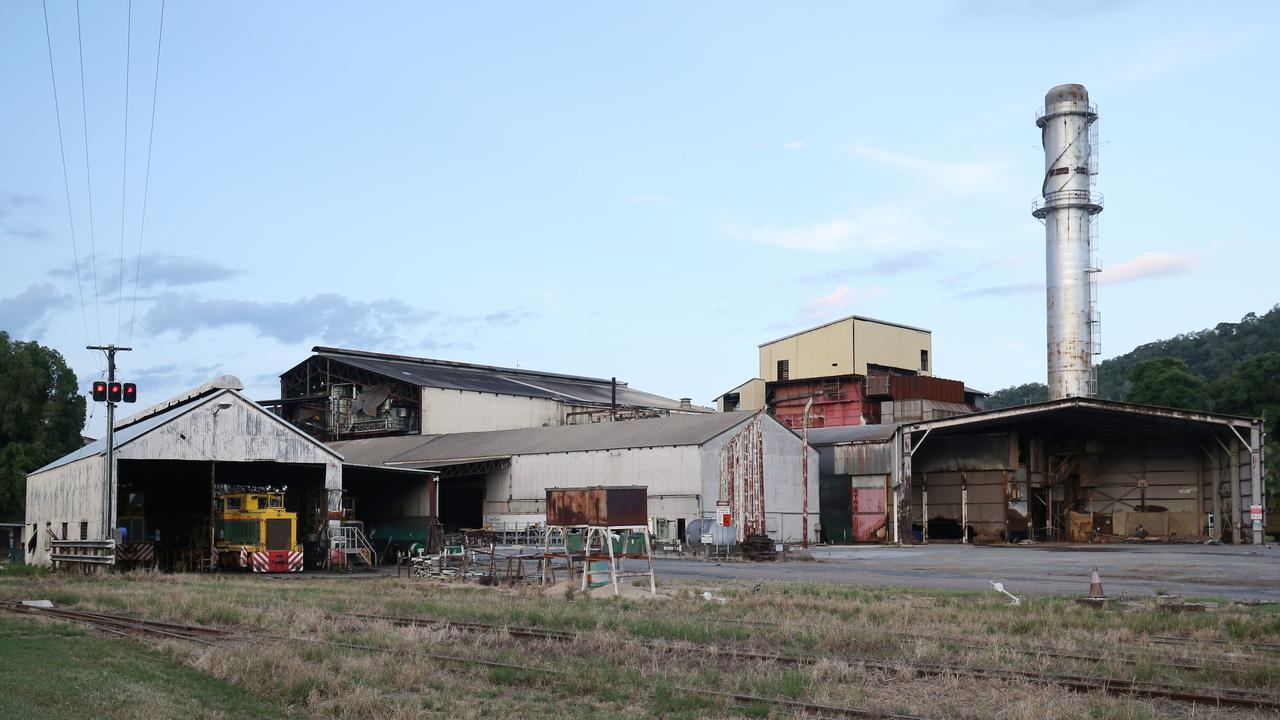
<point>41,413</point>
<point>1033,392</point>
<point>1253,390</point>
<point>1167,382</point>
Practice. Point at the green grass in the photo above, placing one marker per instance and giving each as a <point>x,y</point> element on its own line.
<point>54,671</point>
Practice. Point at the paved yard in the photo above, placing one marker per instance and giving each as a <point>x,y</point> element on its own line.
<point>1229,572</point>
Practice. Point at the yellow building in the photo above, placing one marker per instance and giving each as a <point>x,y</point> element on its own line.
<point>846,347</point>
<point>851,346</point>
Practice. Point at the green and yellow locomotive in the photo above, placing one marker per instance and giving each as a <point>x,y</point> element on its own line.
<point>255,531</point>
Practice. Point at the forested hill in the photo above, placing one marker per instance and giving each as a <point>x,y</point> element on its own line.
<point>1210,354</point>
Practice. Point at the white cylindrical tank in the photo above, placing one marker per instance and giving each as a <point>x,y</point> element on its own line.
<point>1067,206</point>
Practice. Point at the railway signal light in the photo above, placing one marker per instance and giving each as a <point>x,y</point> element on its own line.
<point>130,392</point>
<point>99,391</point>
<point>113,392</point>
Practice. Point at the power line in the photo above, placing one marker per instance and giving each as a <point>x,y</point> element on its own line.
<point>88,173</point>
<point>66,183</point>
<point>124,165</point>
<point>146,185</point>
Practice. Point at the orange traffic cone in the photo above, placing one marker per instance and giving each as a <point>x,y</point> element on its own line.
<point>1095,586</point>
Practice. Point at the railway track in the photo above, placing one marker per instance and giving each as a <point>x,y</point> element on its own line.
<point>1221,697</point>
<point>131,626</point>
<point>137,627</point>
<point>1039,649</point>
<point>123,625</point>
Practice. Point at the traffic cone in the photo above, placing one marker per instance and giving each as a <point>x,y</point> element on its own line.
<point>1095,586</point>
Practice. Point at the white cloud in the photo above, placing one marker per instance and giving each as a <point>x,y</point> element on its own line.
<point>865,228</point>
<point>961,177</point>
<point>641,199</point>
<point>838,302</point>
<point>1148,266</point>
<point>25,314</point>
<point>795,145</point>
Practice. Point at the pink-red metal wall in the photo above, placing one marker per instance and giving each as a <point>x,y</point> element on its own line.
<point>836,403</point>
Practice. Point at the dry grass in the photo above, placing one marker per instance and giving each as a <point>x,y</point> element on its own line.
<point>614,672</point>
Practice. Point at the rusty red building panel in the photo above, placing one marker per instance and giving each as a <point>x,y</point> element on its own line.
<point>923,387</point>
<point>598,506</point>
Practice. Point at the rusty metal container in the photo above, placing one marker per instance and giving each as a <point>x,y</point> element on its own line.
<point>599,505</point>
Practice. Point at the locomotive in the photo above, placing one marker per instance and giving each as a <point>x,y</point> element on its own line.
<point>255,531</point>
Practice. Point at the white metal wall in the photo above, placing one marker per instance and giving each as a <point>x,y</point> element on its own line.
<point>71,494</point>
<point>454,411</point>
<point>672,475</point>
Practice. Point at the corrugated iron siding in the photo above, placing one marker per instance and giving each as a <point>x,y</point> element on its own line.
<point>908,387</point>
<point>864,459</point>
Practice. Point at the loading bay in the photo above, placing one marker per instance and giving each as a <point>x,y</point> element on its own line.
<point>1235,573</point>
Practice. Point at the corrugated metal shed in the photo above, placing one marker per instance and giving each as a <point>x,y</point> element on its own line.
<point>572,389</point>
<point>677,430</point>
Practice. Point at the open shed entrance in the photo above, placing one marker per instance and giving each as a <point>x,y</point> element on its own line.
<point>394,508</point>
<point>166,505</point>
<point>462,503</point>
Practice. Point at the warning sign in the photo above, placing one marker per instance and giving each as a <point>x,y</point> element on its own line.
<point>1255,512</point>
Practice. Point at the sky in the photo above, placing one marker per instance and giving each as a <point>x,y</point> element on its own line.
<point>646,190</point>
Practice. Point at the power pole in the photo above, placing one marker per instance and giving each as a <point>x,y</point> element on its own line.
<point>109,493</point>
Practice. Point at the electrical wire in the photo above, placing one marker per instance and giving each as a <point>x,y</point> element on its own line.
<point>146,184</point>
<point>88,173</point>
<point>124,166</point>
<point>66,183</point>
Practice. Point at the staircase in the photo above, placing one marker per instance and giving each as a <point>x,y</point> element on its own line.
<point>351,548</point>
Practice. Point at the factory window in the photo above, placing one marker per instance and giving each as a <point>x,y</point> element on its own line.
<point>84,530</point>
<point>64,532</point>
<point>784,370</point>
<point>924,361</point>
<point>731,402</point>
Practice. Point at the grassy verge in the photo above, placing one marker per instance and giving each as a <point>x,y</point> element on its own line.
<point>611,672</point>
<point>54,671</point>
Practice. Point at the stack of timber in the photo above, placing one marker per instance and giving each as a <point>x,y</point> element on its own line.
<point>759,548</point>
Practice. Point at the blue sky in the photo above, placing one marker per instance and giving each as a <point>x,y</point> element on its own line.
<point>646,191</point>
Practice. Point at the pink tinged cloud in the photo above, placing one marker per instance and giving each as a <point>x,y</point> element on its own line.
<point>1148,266</point>
<point>839,301</point>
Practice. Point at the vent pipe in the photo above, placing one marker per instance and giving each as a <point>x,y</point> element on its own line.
<point>1068,207</point>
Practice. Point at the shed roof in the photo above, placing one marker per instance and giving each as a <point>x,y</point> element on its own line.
<point>851,434</point>
<point>430,450</point>
<point>448,375</point>
<point>1089,414</point>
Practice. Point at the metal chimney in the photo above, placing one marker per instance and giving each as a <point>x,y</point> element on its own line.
<point>1068,208</point>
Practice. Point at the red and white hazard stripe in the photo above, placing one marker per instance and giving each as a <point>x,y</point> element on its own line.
<point>295,561</point>
<point>244,556</point>
<point>261,562</point>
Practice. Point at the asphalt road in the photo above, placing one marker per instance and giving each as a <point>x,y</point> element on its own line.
<point>1228,572</point>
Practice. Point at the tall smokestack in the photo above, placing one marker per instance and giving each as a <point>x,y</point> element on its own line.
<point>1068,208</point>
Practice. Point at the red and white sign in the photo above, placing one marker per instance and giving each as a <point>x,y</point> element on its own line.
<point>726,519</point>
<point>1255,512</point>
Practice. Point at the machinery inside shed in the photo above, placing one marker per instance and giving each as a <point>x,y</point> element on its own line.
<point>395,509</point>
<point>167,505</point>
<point>1083,470</point>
